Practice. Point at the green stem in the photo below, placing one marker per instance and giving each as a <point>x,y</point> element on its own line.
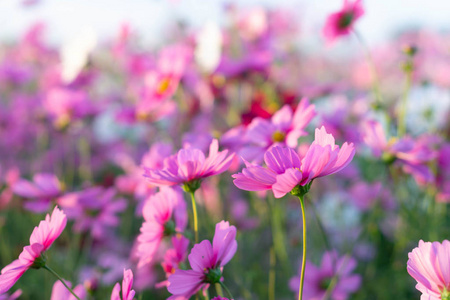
<point>219,289</point>
<point>272,278</point>
<point>302,275</point>
<point>60,279</point>
<point>321,227</point>
<point>227,290</point>
<point>194,210</point>
<point>402,114</point>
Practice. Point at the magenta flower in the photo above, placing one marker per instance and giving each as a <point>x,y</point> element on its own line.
<point>44,188</point>
<point>189,166</point>
<point>32,256</point>
<point>127,283</point>
<point>341,23</point>
<point>411,155</point>
<point>94,209</point>
<point>165,214</point>
<point>59,291</point>
<point>284,128</point>
<point>206,262</point>
<point>318,280</point>
<point>429,265</point>
<point>286,171</point>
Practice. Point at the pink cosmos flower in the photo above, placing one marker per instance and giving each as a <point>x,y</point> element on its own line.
<point>44,188</point>
<point>41,239</point>
<point>220,298</point>
<point>412,156</point>
<point>318,280</point>
<point>284,128</point>
<point>341,23</point>
<point>127,283</point>
<point>65,105</point>
<point>13,296</point>
<point>60,292</point>
<point>286,170</point>
<point>206,262</point>
<point>94,209</point>
<point>174,257</point>
<point>189,166</point>
<point>429,265</point>
<point>158,213</point>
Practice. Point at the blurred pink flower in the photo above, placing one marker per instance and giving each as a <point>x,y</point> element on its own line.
<point>318,280</point>
<point>412,155</point>
<point>60,292</point>
<point>94,209</point>
<point>341,22</point>
<point>429,265</point>
<point>127,283</point>
<point>284,128</point>
<point>286,171</point>
<point>206,262</point>
<point>13,296</point>
<point>164,215</point>
<point>44,188</point>
<point>189,166</point>
<point>174,257</point>
<point>32,256</point>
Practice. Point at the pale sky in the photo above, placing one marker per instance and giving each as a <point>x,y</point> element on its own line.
<point>151,17</point>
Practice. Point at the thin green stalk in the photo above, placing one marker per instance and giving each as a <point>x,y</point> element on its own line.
<point>194,210</point>
<point>402,114</point>
<point>302,275</point>
<point>60,279</point>
<point>219,289</point>
<point>321,227</point>
<point>278,238</point>
<point>227,290</point>
<point>272,277</point>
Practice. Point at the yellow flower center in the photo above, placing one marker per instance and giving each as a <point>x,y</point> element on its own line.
<point>163,85</point>
<point>278,136</point>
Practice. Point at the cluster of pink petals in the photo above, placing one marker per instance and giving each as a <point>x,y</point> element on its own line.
<point>332,266</point>
<point>60,292</point>
<point>127,284</point>
<point>203,258</point>
<point>413,155</point>
<point>160,209</point>
<point>284,128</point>
<point>190,164</point>
<point>95,209</point>
<point>13,296</point>
<point>44,188</point>
<point>41,239</point>
<point>429,264</point>
<point>174,257</point>
<point>341,23</point>
<point>286,170</point>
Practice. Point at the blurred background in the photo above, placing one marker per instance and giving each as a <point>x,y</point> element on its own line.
<point>67,18</point>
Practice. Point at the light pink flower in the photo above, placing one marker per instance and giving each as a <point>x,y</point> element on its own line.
<point>41,239</point>
<point>341,23</point>
<point>284,129</point>
<point>190,166</point>
<point>60,292</point>
<point>44,188</point>
<point>127,283</point>
<point>317,280</point>
<point>164,214</point>
<point>286,171</point>
<point>206,261</point>
<point>429,265</point>
<point>174,257</point>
